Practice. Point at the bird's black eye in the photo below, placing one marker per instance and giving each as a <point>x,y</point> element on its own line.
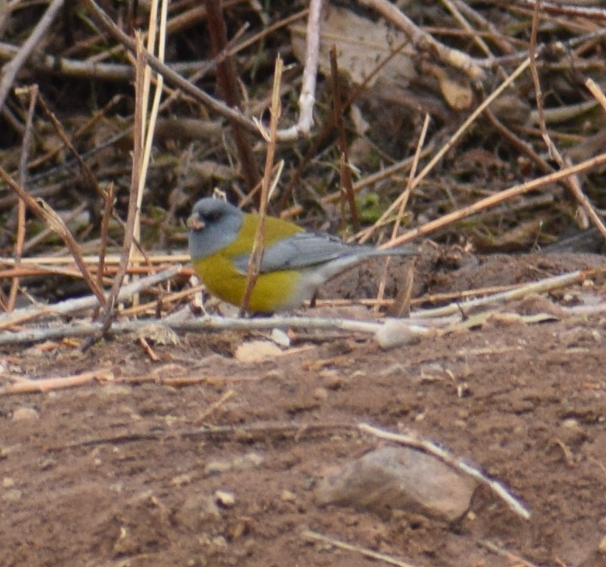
<point>212,217</point>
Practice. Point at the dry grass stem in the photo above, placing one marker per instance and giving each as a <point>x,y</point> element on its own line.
<point>10,70</point>
<point>212,408</point>
<point>256,256</point>
<point>110,260</point>
<point>308,534</point>
<point>167,300</point>
<point>80,304</point>
<point>57,225</point>
<point>454,10</point>
<point>344,166</point>
<point>499,198</point>
<point>107,211</point>
<point>21,208</point>
<point>307,97</point>
<point>143,133</point>
<point>425,42</point>
<point>541,286</point>
<point>84,168</point>
<point>49,384</point>
<point>404,296</point>
<point>597,92</point>
<point>449,144</point>
<point>230,89</point>
<point>413,172</point>
<point>512,557</point>
<point>135,189</point>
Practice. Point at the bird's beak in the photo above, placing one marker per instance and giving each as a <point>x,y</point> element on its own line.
<point>194,223</point>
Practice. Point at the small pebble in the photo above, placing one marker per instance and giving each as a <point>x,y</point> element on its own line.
<point>279,337</point>
<point>287,496</point>
<point>25,414</point>
<point>570,423</point>
<point>217,467</point>
<point>397,332</point>
<point>248,461</point>
<point>320,394</point>
<point>12,495</point>
<point>224,498</point>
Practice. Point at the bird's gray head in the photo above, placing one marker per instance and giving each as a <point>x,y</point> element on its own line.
<point>212,225</point>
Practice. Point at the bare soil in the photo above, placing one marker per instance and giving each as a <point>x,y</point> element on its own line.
<point>137,473</point>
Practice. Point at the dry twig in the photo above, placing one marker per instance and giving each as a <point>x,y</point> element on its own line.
<point>21,207</point>
<point>512,557</point>
<point>572,181</point>
<point>48,384</point>
<point>424,41</point>
<point>449,144</point>
<point>256,255</point>
<point>308,534</point>
<point>450,218</point>
<point>228,82</point>
<point>10,70</point>
<point>82,303</point>
<point>57,225</point>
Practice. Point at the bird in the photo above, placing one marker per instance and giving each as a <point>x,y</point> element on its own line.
<point>295,262</point>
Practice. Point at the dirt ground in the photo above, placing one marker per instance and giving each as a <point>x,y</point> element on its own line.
<point>222,471</point>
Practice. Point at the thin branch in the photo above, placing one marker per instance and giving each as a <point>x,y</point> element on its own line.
<point>514,191</point>
<point>308,534</point>
<point>88,175</point>
<point>10,70</point>
<point>256,255</point>
<point>589,12</point>
<point>206,324</point>
<point>449,144</point>
<point>228,82</point>
<point>173,77</point>
<point>135,190</point>
<point>541,286</point>
<point>307,98</point>
<point>571,182</point>
<point>512,558</point>
<point>21,207</point>
<point>80,304</point>
<point>57,225</point>
<point>425,42</point>
<point>56,383</point>
<point>344,169</point>
<point>418,324</point>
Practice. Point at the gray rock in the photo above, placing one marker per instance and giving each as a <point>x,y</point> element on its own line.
<point>399,478</point>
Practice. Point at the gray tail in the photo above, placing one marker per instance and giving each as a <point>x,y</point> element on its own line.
<point>400,251</point>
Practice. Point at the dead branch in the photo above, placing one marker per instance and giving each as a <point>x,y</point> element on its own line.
<point>425,42</point>
<point>48,384</point>
<point>308,534</point>
<point>83,303</point>
<point>10,70</point>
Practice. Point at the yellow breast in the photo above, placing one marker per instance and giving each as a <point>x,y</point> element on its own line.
<point>272,290</point>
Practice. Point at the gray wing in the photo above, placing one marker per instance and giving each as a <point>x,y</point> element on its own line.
<point>303,250</point>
